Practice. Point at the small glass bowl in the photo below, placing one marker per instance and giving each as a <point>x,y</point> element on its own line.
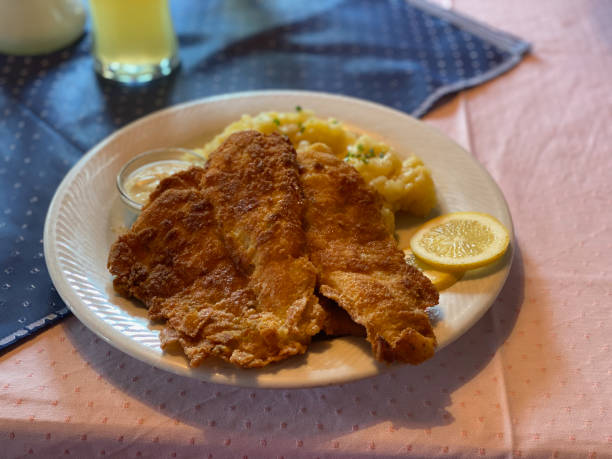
<point>160,155</point>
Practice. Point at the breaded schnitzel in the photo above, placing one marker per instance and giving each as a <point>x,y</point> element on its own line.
<point>253,182</point>
<point>225,268</point>
<point>230,255</point>
<point>338,322</point>
<point>360,266</point>
<point>174,261</point>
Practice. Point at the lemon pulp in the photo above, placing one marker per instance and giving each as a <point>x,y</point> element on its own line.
<point>460,240</point>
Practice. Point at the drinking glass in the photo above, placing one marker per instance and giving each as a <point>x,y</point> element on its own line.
<point>134,40</point>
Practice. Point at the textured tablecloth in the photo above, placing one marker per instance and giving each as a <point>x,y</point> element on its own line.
<point>533,378</point>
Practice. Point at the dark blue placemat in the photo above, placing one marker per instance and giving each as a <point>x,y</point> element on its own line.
<point>53,108</point>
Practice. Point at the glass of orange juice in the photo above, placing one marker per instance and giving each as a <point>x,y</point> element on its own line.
<point>134,40</point>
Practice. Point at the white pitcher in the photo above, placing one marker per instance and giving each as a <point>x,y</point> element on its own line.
<point>30,27</point>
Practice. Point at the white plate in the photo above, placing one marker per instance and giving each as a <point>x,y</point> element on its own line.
<point>86,212</point>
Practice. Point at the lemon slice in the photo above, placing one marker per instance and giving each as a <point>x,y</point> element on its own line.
<point>440,279</point>
<point>460,241</point>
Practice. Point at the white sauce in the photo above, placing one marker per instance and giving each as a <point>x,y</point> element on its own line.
<point>145,179</point>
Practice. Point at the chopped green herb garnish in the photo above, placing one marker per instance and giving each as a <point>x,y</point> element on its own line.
<point>298,108</point>
<point>276,121</point>
<point>302,129</point>
<point>364,158</point>
<point>360,147</point>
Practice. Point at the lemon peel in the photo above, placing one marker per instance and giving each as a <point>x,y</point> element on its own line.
<point>440,279</point>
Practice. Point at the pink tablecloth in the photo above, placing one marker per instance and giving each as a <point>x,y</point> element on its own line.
<point>533,378</point>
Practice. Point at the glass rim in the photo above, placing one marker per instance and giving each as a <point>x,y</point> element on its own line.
<point>148,157</point>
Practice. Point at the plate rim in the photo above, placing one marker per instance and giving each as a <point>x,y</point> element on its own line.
<point>126,345</point>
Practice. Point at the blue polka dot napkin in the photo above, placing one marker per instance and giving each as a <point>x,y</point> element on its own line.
<point>405,54</point>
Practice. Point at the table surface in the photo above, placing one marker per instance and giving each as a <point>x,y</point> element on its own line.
<point>532,378</point>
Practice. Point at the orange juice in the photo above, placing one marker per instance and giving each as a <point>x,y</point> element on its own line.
<point>134,40</point>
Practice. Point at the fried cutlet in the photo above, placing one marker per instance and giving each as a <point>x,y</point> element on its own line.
<point>174,259</point>
<point>229,257</point>
<point>253,182</point>
<point>337,321</point>
<point>360,266</point>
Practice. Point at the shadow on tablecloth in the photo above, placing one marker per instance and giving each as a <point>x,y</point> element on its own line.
<point>600,17</point>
